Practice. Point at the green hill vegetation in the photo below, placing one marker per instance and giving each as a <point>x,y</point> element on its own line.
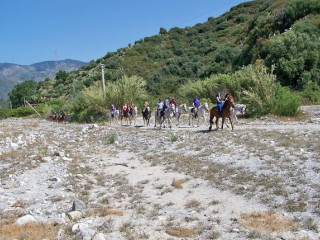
<point>266,53</point>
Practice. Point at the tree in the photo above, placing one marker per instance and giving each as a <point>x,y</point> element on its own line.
<point>22,91</point>
<point>163,31</point>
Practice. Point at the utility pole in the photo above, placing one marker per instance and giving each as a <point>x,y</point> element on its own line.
<point>102,78</point>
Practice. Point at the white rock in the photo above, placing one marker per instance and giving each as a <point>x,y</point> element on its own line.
<point>78,226</point>
<point>14,146</point>
<point>74,215</point>
<point>47,159</point>
<point>67,159</point>
<point>99,236</point>
<point>25,219</point>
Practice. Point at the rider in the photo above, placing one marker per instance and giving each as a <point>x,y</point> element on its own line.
<point>196,104</point>
<point>61,112</point>
<point>145,105</point>
<point>166,104</point>
<point>124,109</point>
<point>219,103</point>
<point>159,106</point>
<point>132,106</point>
<point>113,110</point>
<point>174,102</point>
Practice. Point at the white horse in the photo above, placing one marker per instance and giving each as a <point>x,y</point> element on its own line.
<point>179,111</point>
<point>241,108</point>
<point>133,116</point>
<point>201,113</point>
<point>114,117</point>
<point>158,117</point>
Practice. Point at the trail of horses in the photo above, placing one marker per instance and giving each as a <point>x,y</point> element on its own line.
<point>139,182</point>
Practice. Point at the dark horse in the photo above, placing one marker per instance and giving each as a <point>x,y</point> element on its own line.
<point>225,113</point>
<point>62,118</point>
<point>53,116</point>
<point>146,115</point>
<point>125,115</point>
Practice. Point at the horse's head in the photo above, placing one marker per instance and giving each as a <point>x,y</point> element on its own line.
<point>231,101</point>
<point>243,109</point>
<point>184,107</point>
<point>206,106</point>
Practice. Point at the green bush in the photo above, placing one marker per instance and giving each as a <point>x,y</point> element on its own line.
<point>241,18</point>
<point>311,93</point>
<point>173,137</point>
<point>285,103</point>
<point>111,138</point>
<point>91,105</point>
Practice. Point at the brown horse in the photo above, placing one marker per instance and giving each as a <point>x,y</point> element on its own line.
<point>62,118</point>
<point>225,113</point>
<point>146,115</point>
<point>126,116</point>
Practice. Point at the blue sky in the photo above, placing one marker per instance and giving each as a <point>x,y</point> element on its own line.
<point>41,30</point>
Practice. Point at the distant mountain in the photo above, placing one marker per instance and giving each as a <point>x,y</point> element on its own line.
<point>12,74</point>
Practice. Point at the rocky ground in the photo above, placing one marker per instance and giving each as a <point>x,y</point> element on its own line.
<point>102,181</point>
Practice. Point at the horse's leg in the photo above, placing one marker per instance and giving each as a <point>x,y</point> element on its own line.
<point>231,122</point>
<point>217,120</point>
<point>223,118</point>
<point>211,121</point>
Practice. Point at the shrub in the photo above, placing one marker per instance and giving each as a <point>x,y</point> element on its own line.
<point>241,18</point>
<point>285,103</point>
<point>173,137</point>
<point>111,138</point>
<point>311,93</point>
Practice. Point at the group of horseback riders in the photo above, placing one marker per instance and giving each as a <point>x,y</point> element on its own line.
<point>58,117</point>
<point>162,106</point>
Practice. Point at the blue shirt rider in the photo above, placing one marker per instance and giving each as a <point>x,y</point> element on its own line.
<point>219,103</point>
<point>196,104</point>
<point>113,109</point>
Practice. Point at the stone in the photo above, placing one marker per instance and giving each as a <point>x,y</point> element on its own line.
<point>87,233</point>
<point>25,219</point>
<point>78,226</point>
<point>78,205</point>
<point>99,236</point>
<point>74,215</point>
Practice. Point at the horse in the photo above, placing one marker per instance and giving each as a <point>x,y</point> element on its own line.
<point>226,112</point>
<point>238,108</point>
<point>200,113</point>
<point>133,112</point>
<point>179,111</point>
<point>62,118</point>
<point>146,115</point>
<point>53,116</point>
<point>125,116</point>
<point>161,116</point>
<point>114,117</point>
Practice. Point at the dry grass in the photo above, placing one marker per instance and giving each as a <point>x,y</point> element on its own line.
<point>181,232</point>
<point>267,221</point>
<point>102,212</point>
<point>32,230</point>
<point>178,183</point>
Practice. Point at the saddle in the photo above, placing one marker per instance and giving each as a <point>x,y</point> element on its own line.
<point>193,110</point>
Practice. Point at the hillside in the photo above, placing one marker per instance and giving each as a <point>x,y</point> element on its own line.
<point>12,74</point>
<point>282,35</point>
